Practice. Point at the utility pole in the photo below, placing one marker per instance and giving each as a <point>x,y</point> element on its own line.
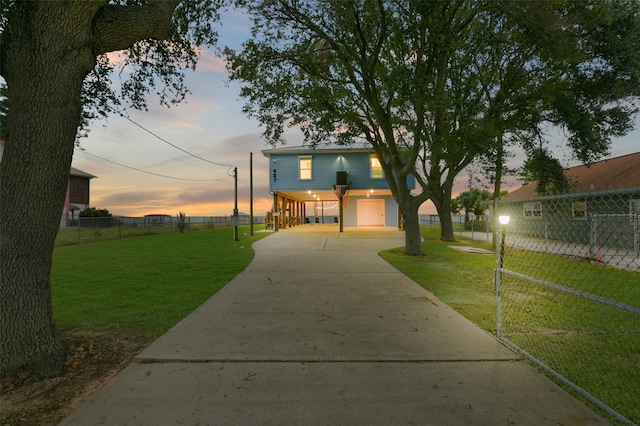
<point>251,193</point>
<point>235,205</point>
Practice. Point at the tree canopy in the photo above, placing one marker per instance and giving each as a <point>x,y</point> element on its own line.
<point>591,94</point>
<point>474,200</point>
<point>433,86</point>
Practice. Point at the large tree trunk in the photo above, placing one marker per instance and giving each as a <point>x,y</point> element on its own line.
<point>412,235</point>
<point>48,48</point>
<point>442,201</point>
<point>44,65</point>
<point>409,205</point>
<point>497,187</point>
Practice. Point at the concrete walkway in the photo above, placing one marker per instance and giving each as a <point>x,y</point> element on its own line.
<point>319,330</point>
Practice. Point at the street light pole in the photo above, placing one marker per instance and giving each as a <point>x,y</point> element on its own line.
<point>251,194</point>
<point>235,205</point>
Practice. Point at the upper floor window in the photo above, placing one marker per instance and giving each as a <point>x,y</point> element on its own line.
<point>579,210</point>
<point>532,209</point>
<point>376,168</point>
<point>305,167</point>
<point>78,190</point>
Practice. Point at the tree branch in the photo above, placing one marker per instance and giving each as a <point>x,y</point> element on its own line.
<point>119,27</point>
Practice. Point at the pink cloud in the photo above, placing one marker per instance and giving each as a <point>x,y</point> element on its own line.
<point>210,62</point>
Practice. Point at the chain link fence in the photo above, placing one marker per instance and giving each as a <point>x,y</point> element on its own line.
<point>462,224</point>
<point>93,229</point>
<point>568,287</point>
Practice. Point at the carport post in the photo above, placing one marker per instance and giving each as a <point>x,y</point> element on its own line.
<point>276,219</point>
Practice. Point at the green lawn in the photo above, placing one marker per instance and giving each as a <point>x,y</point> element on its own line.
<point>594,345</point>
<point>145,285</point>
<point>461,280</point>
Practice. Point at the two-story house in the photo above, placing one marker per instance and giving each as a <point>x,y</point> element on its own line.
<point>307,184</point>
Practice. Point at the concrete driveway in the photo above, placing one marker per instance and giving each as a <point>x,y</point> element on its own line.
<point>319,330</point>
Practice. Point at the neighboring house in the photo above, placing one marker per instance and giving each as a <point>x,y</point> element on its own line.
<point>604,204</point>
<point>77,198</point>
<point>302,181</point>
<point>613,173</point>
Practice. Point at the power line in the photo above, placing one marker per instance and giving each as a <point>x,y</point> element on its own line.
<point>114,134</point>
<point>150,173</point>
<point>167,142</point>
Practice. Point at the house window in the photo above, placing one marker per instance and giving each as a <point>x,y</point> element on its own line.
<point>376,168</point>
<point>78,190</point>
<point>579,210</point>
<point>532,209</point>
<point>305,167</point>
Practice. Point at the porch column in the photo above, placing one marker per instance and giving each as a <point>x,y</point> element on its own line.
<point>283,213</point>
<point>274,210</point>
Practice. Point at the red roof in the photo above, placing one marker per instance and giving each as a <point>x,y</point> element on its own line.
<point>613,173</point>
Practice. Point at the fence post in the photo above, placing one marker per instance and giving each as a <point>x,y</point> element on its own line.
<point>79,230</point>
<point>636,232</point>
<point>593,237</point>
<point>472,225</point>
<point>497,278</point>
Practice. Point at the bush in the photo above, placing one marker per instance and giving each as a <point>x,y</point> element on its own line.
<point>93,212</point>
<point>95,218</point>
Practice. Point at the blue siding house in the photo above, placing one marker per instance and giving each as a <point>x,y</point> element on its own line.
<point>303,183</point>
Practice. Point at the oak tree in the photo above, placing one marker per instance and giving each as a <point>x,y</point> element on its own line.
<point>55,60</point>
<point>590,93</point>
<point>433,86</point>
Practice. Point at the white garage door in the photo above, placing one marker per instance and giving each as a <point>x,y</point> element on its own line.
<point>371,212</point>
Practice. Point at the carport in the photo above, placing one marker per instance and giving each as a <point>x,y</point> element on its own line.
<point>290,208</point>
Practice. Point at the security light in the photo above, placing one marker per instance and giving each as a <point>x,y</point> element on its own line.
<point>504,220</point>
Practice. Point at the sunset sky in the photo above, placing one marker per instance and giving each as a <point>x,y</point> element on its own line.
<point>209,125</point>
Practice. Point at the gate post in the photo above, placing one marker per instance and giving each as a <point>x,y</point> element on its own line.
<point>504,221</point>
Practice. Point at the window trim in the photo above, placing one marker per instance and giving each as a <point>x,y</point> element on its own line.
<point>300,169</point>
<point>532,211</point>
<point>373,157</point>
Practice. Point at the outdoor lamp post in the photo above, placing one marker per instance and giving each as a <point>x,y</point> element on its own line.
<point>504,221</point>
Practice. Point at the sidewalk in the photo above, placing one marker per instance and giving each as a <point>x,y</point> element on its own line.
<point>319,330</point>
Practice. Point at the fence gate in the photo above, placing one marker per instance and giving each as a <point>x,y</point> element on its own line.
<point>568,290</point>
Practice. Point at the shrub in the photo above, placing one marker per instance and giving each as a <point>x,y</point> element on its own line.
<point>182,221</point>
<point>93,212</point>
